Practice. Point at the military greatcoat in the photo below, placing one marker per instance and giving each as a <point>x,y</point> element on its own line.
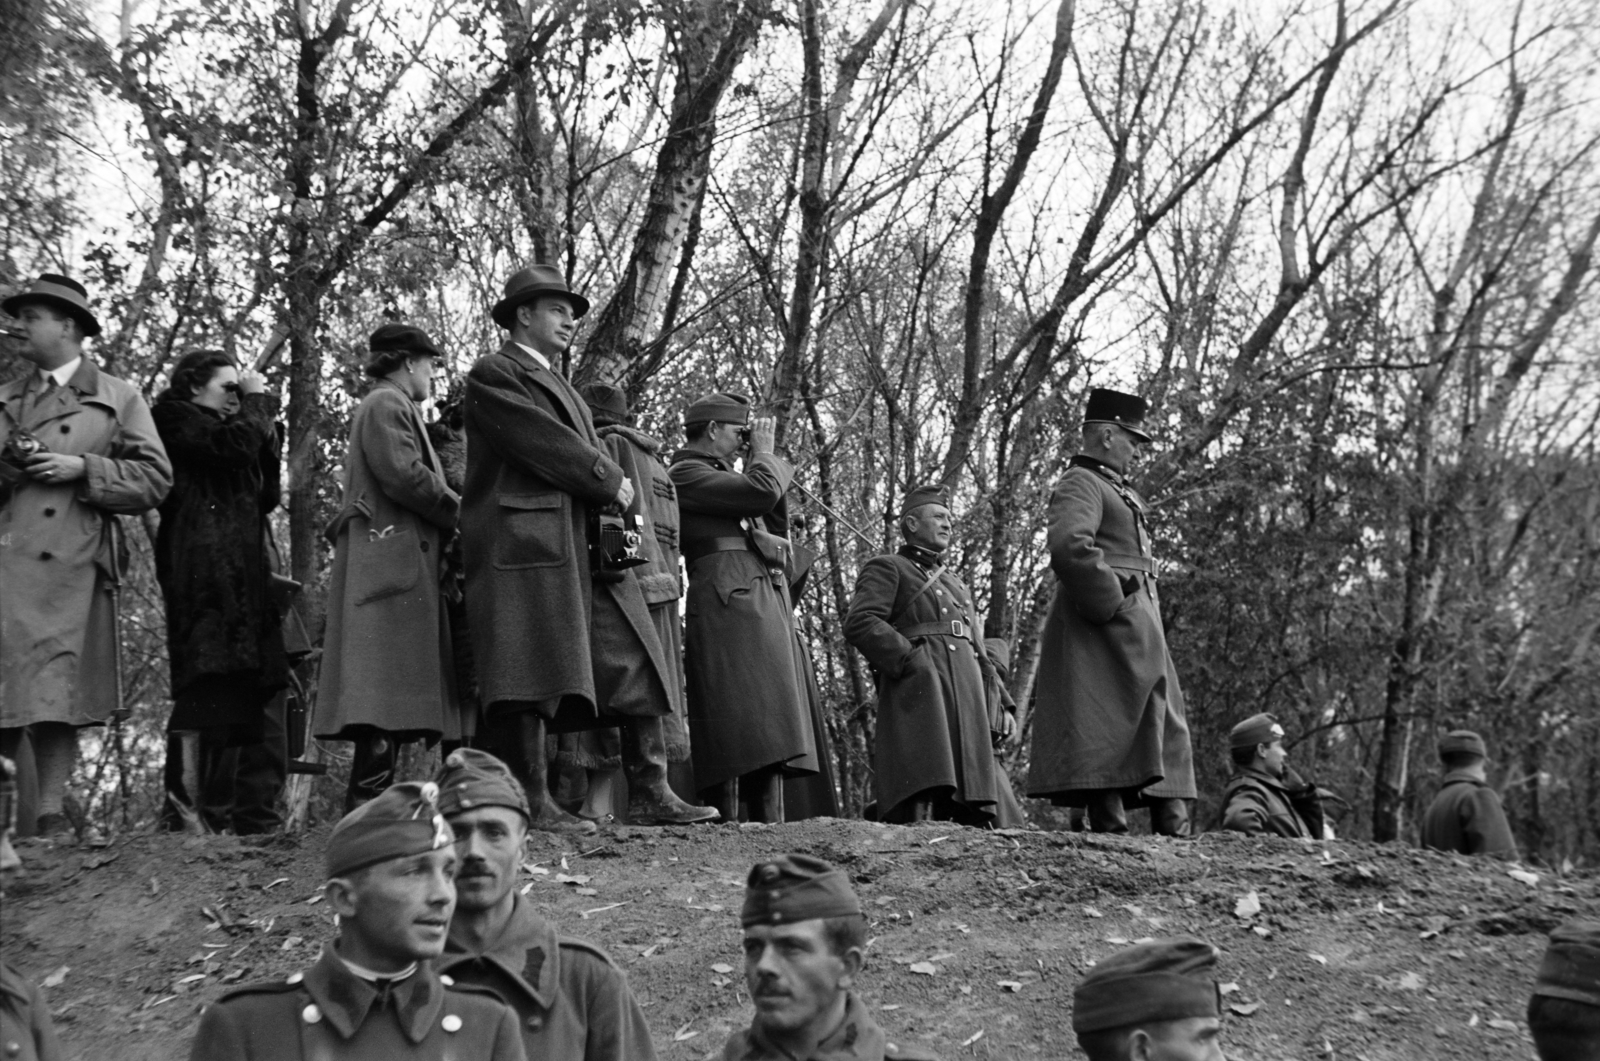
<point>329,1013</point>
<point>1109,711</point>
<point>1466,817</point>
<point>1257,802</point>
<point>914,624</point>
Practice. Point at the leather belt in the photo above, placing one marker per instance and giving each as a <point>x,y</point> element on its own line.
<point>1138,563</point>
<point>953,628</point>
<point>708,546</point>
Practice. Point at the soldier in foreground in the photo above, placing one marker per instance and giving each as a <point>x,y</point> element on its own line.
<point>805,943</point>
<point>1266,795</point>
<point>373,994</point>
<point>573,1003</point>
<point>1154,1001</point>
<point>1466,816</point>
<point>1564,1012</point>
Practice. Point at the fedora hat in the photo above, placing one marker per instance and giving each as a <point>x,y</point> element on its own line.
<point>61,292</point>
<point>530,282</point>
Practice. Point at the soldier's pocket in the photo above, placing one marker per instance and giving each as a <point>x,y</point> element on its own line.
<point>536,531</point>
<point>384,567</point>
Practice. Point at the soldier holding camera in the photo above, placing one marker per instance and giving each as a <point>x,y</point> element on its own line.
<point>748,713</point>
<point>564,638</point>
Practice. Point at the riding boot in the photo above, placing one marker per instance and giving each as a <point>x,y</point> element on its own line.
<point>1106,812</point>
<point>921,810</point>
<point>371,768</point>
<point>725,798</point>
<point>530,763</point>
<point>644,763</point>
<point>769,789</point>
<point>1169,817</point>
<point>184,784</point>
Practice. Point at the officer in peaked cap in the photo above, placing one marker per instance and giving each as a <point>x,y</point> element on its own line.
<point>572,1001</point>
<point>373,994</point>
<point>1265,794</point>
<point>1564,1012</point>
<point>804,946</point>
<point>1153,1001</point>
<point>1466,816</point>
<point>1109,727</point>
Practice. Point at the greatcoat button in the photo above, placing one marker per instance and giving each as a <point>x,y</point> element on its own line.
<point>49,511</point>
<point>450,1023</point>
<point>311,1014</point>
<point>424,546</point>
<point>294,978</point>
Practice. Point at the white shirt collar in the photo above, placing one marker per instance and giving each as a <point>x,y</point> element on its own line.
<point>62,374</point>
<point>369,975</point>
<point>544,362</point>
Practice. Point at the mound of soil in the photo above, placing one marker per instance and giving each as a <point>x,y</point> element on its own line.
<point>1330,951</point>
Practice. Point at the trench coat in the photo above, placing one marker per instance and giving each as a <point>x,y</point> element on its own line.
<point>387,659</point>
<point>748,708</point>
<point>59,557</point>
<point>933,711</point>
<point>211,557</point>
<point>1466,817</point>
<point>535,466</point>
<point>1109,710</point>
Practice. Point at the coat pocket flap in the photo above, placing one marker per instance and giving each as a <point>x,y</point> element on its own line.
<point>531,501</point>
<point>384,567</point>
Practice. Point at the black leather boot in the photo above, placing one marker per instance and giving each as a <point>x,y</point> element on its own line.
<point>1106,812</point>
<point>644,762</point>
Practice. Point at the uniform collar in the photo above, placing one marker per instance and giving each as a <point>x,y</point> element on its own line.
<point>346,1000</point>
<point>857,1038</point>
<point>695,454</point>
<point>527,951</point>
<point>1460,777</point>
<point>924,558</point>
<point>1083,460</point>
<point>1257,774</point>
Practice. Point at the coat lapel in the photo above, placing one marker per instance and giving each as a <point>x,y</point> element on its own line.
<point>558,388</point>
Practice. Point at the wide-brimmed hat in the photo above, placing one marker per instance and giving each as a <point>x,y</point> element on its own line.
<point>607,401</point>
<point>529,283</point>
<point>1127,411</point>
<point>62,292</point>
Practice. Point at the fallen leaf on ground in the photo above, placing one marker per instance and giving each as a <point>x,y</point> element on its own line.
<point>573,878</point>
<point>649,950</point>
<point>683,1034</point>
<point>1524,876</point>
<point>941,957</point>
<point>1503,1025</point>
<point>601,909</point>
<point>890,1006</point>
<point>274,884</point>
<point>1010,985</point>
<point>1228,989</point>
<point>1089,911</point>
<point>1263,931</point>
<point>1244,1009</point>
<point>1319,959</point>
<point>925,968</point>
<point>722,967</point>
<point>974,1037</point>
<point>585,891</point>
<point>192,978</point>
<point>1409,982</point>
<point>1249,905</point>
<point>55,979</point>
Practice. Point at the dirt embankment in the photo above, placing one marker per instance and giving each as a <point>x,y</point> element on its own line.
<point>1357,951</point>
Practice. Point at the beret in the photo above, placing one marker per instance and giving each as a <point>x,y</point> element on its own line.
<point>395,338</point>
<point>1164,979</point>
<point>472,778</point>
<point>607,401</point>
<point>794,888</point>
<point>1571,966</point>
<point>723,406</point>
<point>1257,729</point>
<point>404,820</point>
<point>924,495</point>
<point>1463,740</point>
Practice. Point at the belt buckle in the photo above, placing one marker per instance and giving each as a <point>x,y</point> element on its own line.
<point>958,628</point>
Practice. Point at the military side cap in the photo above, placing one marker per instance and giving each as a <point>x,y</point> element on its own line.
<point>1571,966</point>
<point>794,888</point>
<point>404,820</point>
<point>1114,407</point>
<point>1165,979</point>
<point>607,401</point>
<point>1257,729</point>
<point>61,292</point>
<point>724,406</point>
<point>1463,740</point>
<point>924,495</point>
<point>403,338</point>
<point>471,778</point>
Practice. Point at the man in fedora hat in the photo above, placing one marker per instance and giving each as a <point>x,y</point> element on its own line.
<point>560,643</point>
<point>1109,729</point>
<point>1466,816</point>
<point>913,621</point>
<point>78,447</point>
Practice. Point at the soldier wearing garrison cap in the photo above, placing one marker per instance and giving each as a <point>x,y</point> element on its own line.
<point>805,945</point>
<point>571,999</point>
<point>1108,730</point>
<point>1564,1012</point>
<point>1154,1001</point>
<point>913,620</point>
<point>747,702</point>
<point>373,994</point>
<point>1466,816</point>
<point>559,645</point>
<point>388,668</point>
<point>1265,794</point>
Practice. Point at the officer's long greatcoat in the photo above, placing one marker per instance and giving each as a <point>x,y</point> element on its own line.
<point>1109,711</point>
<point>933,718</point>
<point>747,700</point>
<point>535,466</point>
<point>59,559</point>
<point>387,659</point>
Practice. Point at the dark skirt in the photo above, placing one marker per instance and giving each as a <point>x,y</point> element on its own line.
<point>236,702</point>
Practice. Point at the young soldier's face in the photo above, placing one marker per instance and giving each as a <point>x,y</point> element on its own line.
<point>400,909</point>
<point>489,845</point>
<point>1190,1039</point>
<point>1273,757</point>
<point>793,975</point>
<point>50,333</point>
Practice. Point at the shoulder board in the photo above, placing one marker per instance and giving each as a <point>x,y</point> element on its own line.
<point>265,987</point>
<point>585,945</point>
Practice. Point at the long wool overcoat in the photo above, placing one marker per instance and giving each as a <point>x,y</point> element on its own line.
<point>747,696</point>
<point>1109,711</point>
<point>58,557</point>
<point>534,467</point>
<point>211,556</point>
<point>933,716</point>
<point>387,660</point>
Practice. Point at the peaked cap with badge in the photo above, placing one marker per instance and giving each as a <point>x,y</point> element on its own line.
<point>58,292</point>
<point>403,821</point>
<point>1147,983</point>
<point>796,887</point>
<point>472,778</point>
<point>924,495</point>
<point>1257,729</point>
<point>1127,411</point>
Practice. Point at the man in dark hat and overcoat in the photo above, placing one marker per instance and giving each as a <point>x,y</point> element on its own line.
<point>1564,1012</point>
<point>1466,817</point>
<point>912,619</point>
<point>388,667</point>
<point>559,644</point>
<point>1109,731</point>
<point>1265,794</point>
<point>78,448</point>
<point>748,709</point>
<point>805,944</point>
<point>1153,1001</point>
<point>374,994</point>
